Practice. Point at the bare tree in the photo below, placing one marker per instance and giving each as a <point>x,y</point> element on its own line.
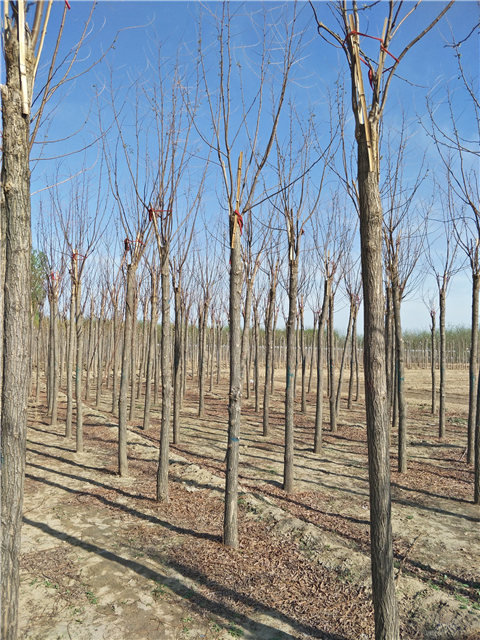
<point>367,125</point>
<point>23,41</point>
<point>240,178</point>
<point>442,261</point>
<point>459,152</point>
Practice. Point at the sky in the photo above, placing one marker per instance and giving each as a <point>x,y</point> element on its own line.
<point>137,28</point>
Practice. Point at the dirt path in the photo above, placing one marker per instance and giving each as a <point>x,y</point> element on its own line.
<point>101,559</point>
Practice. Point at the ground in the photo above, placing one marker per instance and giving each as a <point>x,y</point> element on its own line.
<point>102,559</point>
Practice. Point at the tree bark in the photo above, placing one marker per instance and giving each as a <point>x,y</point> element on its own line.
<point>331,364</point>
<point>230,523</point>
<point>163,456</point>
<point>269,348</point>
<point>317,445</point>
<point>303,356</point>
<point>79,363</point>
<point>177,362</point>
<point>125,373</point>
<point>15,349</point>
<point>371,220</point>
<point>151,351</point>
<point>342,364</point>
<point>400,369</point>
<point>288,468</point>
<point>443,357</point>
<point>473,366</point>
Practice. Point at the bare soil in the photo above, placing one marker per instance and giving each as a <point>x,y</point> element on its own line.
<point>102,559</point>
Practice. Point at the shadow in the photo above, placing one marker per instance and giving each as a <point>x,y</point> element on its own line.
<point>430,494</point>
<point>201,601</point>
<point>64,460</point>
<point>52,446</point>
<point>129,510</point>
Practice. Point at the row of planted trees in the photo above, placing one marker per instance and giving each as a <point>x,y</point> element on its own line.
<point>179,131</point>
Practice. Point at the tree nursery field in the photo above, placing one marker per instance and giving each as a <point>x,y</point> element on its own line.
<point>102,559</point>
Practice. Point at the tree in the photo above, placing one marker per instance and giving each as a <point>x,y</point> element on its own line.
<point>459,153</point>
<point>367,130</point>
<point>240,173</point>
<point>23,41</point>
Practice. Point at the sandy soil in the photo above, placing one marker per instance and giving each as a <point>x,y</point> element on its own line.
<point>102,559</point>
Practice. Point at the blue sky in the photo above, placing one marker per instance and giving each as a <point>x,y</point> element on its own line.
<point>427,69</point>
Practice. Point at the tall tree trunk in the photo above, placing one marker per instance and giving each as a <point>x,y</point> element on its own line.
<point>202,331</point>
<point>151,351</point>
<point>55,353</point>
<point>101,331</point>
<point>90,350</point>
<point>15,247</point>
<point>443,357</point>
<point>400,368</point>
<point>133,354</point>
<point>352,354</point>
<point>230,523</point>
<point>272,388</point>
<point>371,219</point>
<point>331,364</point>
<point>79,363</point>
<point>269,349</point>
<point>39,343</point>
<point>125,372</point>
<point>342,364</point>
<point>317,445</point>
<point>177,362</point>
<point>288,468</point>
<point>116,347</point>
<point>312,359</point>
<point>303,356</point>
<point>473,366</point>
<point>143,350</point>
<point>256,372</point>
<point>389,348</point>
<point>163,457</point>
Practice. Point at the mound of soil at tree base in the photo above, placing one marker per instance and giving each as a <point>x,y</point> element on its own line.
<point>102,559</point>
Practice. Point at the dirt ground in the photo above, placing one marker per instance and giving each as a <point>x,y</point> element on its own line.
<point>101,559</point>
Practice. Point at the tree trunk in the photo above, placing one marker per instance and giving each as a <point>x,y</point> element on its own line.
<point>163,457</point>
<point>288,469</point>
<point>317,444</point>
<point>101,327</point>
<point>125,372</point>
<point>133,354</point>
<point>312,359</point>
<point>269,348</point>
<point>143,351</point>
<point>177,362</point>
<point>331,365</point>
<point>371,219</point>
<point>55,359</point>
<point>344,357</point>
<point>473,366</point>
<point>230,524</point>
<point>79,365</point>
<point>441,424</point>
<point>15,305</point>
<point>116,346</point>
<point>202,331</point>
<point>433,363</point>
<point>389,349</point>
<point>151,351</point>
<point>256,372</point>
<point>352,354</point>
<point>303,356</point>
<point>400,368</point>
